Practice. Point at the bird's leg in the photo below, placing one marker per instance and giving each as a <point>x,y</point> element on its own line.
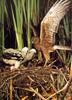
<point>46,54</point>
<point>47,58</point>
<point>45,63</point>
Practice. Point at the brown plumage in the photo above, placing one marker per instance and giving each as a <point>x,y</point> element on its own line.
<point>50,24</point>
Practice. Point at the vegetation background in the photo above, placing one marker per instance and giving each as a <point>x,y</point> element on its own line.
<point>16,20</point>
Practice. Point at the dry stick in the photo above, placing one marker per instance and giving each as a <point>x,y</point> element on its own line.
<point>58,47</point>
<point>70,80</point>
<point>14,93</point>
<point>9,79</point>
<point>31,90</point>
<point>31,80</point>
<point>7,93</point>
<point>37,93</point>
<point>10,89</point>
<point>53,85</point>
<point>41,86</point>
<point>62,75</point>
<point>24,98</point>
<point>52,63</point>
<point>64,88</point>
<point>33,29</point>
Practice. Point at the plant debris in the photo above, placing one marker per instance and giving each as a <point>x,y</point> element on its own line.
<point>36,82</point>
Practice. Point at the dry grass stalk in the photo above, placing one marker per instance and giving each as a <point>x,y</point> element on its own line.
<point>11,89</point>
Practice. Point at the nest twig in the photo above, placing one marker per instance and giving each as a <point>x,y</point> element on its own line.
<point>28,79</point>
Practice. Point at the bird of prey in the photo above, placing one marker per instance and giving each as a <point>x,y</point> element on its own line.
<point>49,26</point>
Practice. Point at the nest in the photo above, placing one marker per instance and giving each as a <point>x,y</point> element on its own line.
<point>35,83</point>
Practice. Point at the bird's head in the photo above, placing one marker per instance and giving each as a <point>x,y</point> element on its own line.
<point>24,51</point>
<point>36,42</point>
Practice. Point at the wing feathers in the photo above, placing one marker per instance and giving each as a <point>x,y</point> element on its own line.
<point>50,23</point>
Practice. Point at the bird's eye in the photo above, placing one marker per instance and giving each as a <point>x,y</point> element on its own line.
<point>32,42</point>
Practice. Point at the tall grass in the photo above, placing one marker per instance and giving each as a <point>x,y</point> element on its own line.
<point>30,10</point>
<point>66,39</point>
<point>31,13</point>
<point>23,12</point>
<point>28,23</point>
<point>2,3</point>
<point>17,16</point>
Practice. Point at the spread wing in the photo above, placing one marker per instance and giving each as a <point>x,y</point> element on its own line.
<point>50,23</point>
